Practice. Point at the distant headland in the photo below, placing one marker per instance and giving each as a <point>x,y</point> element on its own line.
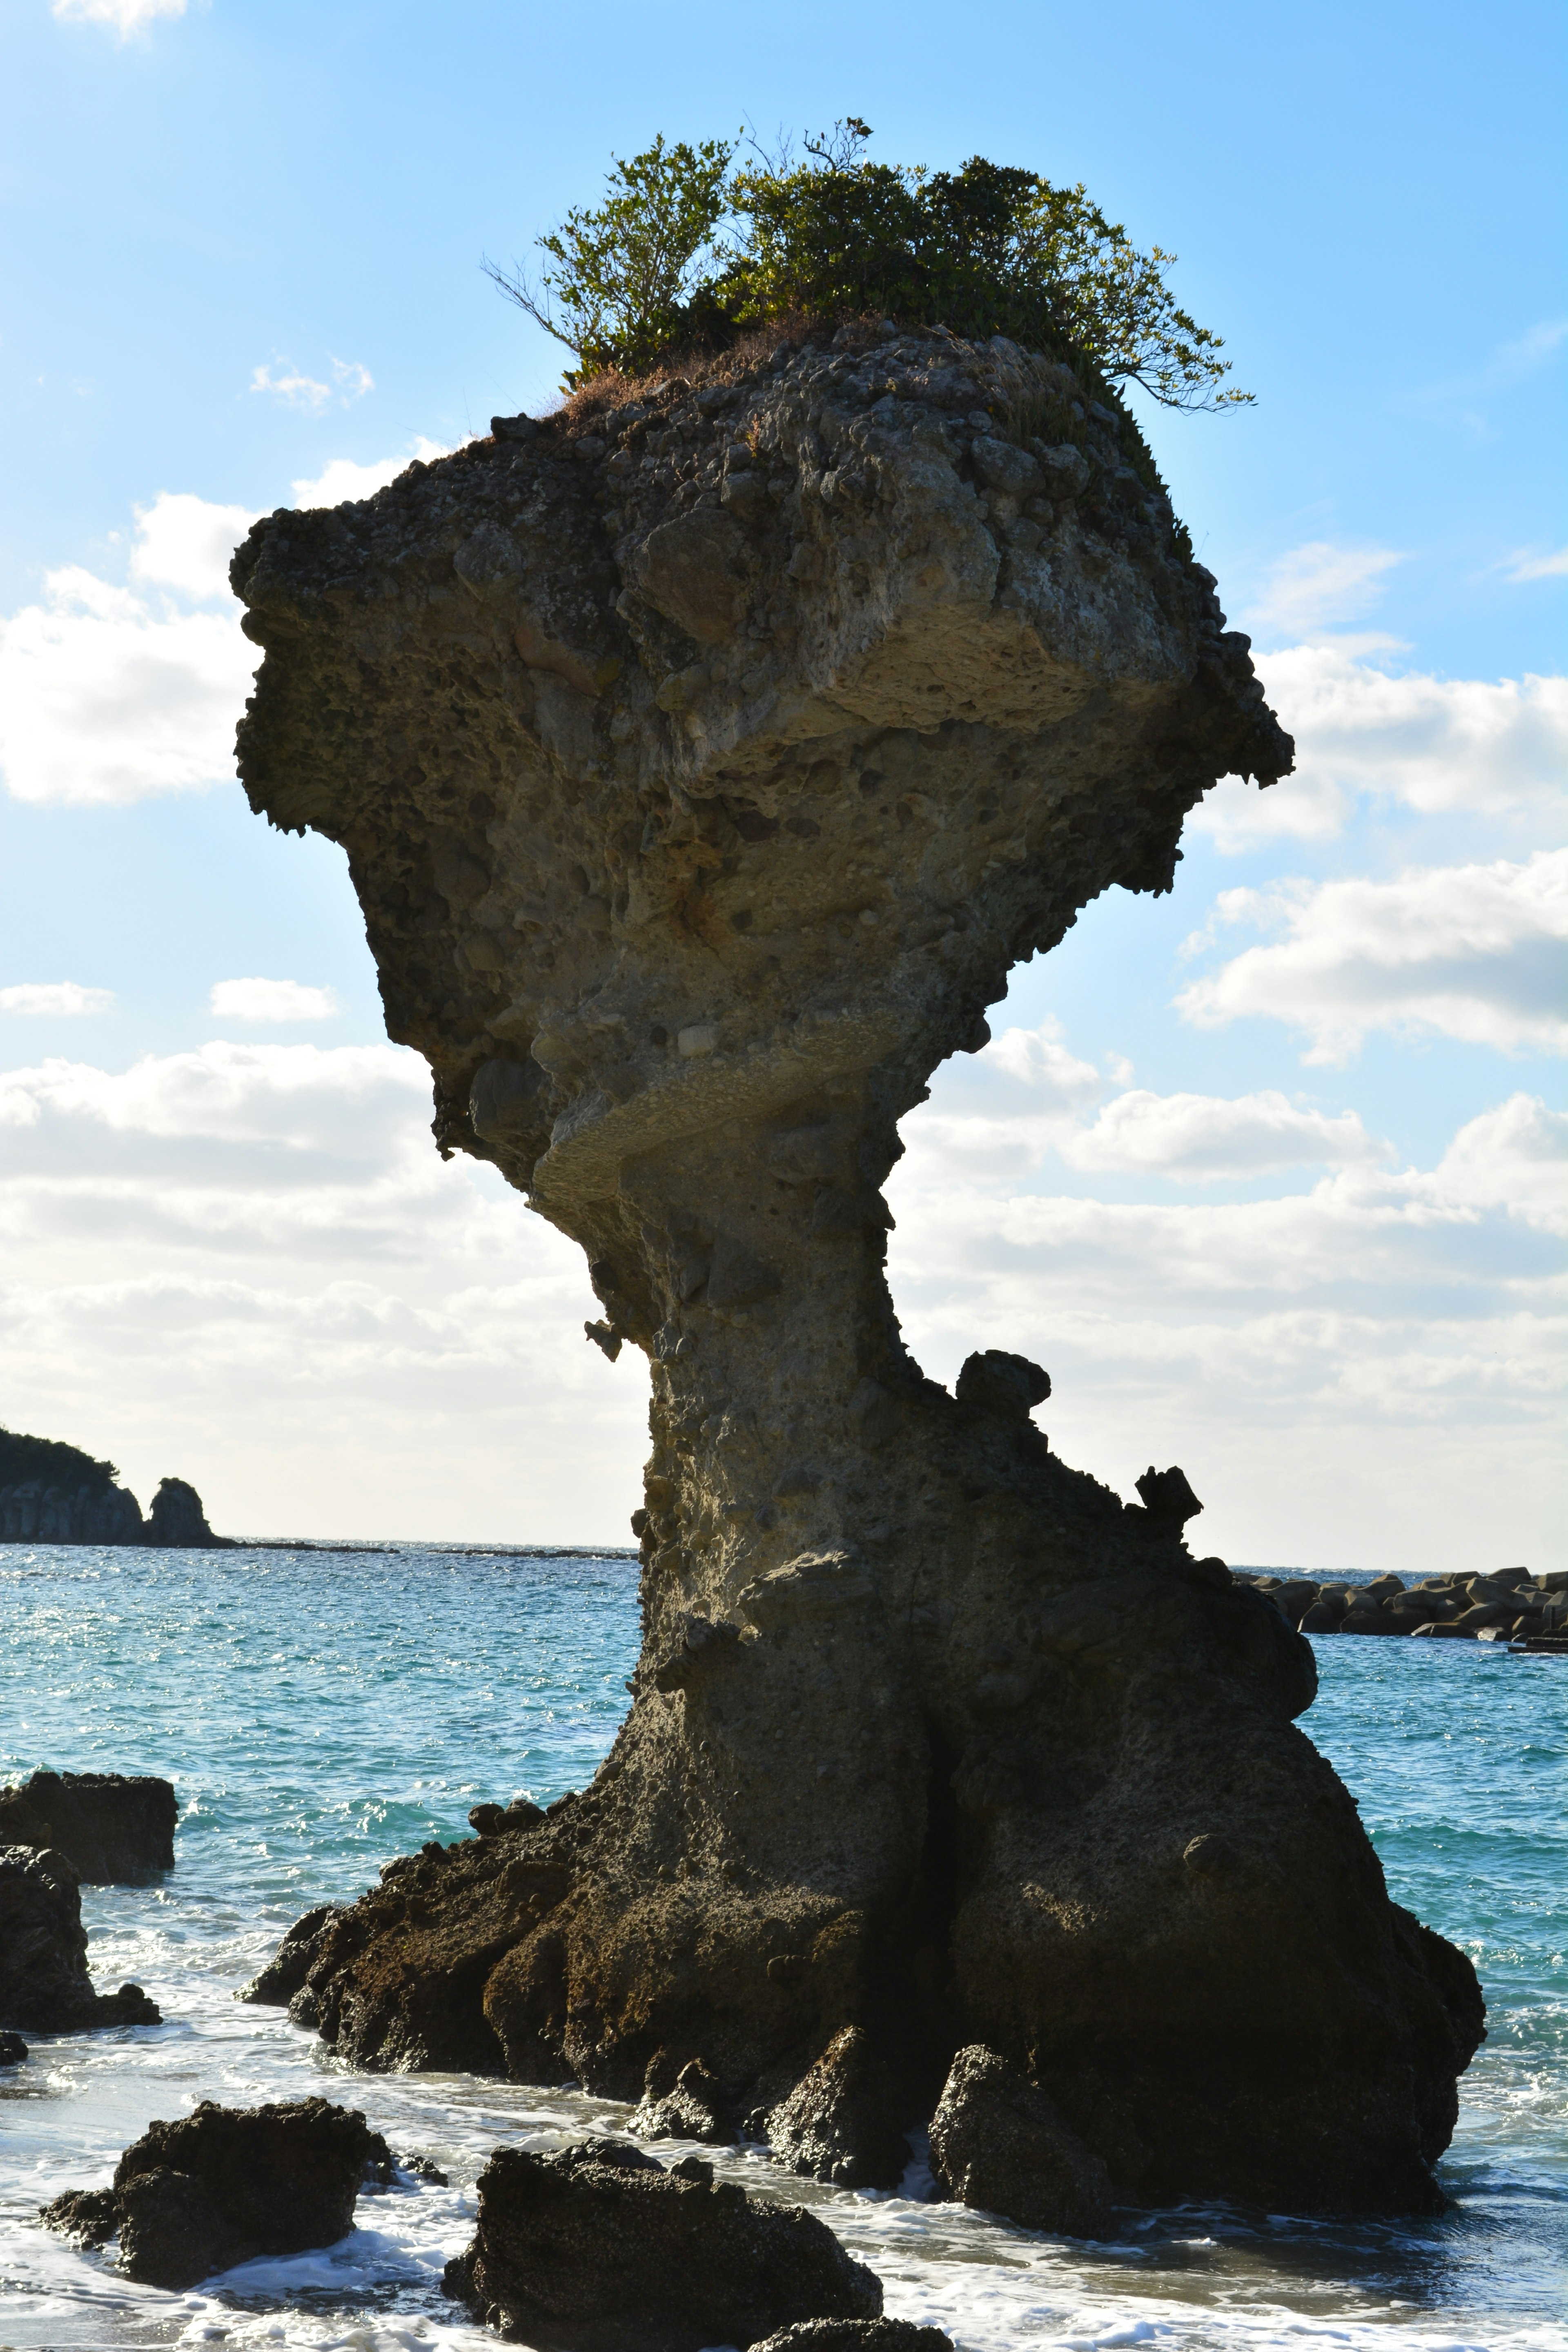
<point>54,1493</point>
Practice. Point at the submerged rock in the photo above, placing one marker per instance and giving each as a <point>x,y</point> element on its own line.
<point>224,2185</point>
<point>45,1987</point>
<point>704,758</point>
<point>600,2246</point>
<point>996,2141</point>
<point>114,1828</point>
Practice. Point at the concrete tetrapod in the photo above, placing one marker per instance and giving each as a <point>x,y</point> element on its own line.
<point>704,762</point>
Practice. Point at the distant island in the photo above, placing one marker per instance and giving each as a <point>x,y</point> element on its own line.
<point>54,1492</point>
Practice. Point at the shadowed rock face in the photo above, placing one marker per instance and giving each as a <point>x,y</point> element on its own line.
<point>45,1987</point>
<point>114,1828</point>
<point>703,767</point>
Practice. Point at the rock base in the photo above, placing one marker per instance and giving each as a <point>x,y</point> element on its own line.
<point>600,2246</point>
<point>224,2185</point>
<point>45,1987</point>
<point>997,2142</point>
<point>113,1829</point>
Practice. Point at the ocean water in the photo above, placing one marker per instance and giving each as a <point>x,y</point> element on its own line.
<point>320,1710</point>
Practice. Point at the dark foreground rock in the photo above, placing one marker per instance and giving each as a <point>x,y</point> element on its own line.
<point>600,2247</point>
<point>224,2185</point>
<point>704,756</point>
<point>13,2050</point>
<point>276,1985</point>
<point>114,1828</point>
<point>858,2336</point>
<point>45,1987</point>
<point>997,2142</point>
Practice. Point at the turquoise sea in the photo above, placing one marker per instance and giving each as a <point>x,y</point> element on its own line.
<point>321,1709</point>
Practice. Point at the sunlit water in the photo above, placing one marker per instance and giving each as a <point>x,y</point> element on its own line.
<point>321,1711</point>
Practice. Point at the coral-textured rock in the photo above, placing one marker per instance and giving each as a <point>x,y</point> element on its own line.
<point>114,1828</point>
<point>999,2143</point>
<point>843,2120</point>
<point>43,1984</point>
<point>224,2184</point>
<point>599,2247</point>
<point>703,764</point>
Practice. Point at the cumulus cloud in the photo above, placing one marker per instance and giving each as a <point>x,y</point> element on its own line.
<point>1319,586</point>
<point>55,997</point>
<point>248,1263</point>
<point>1368,1371</point>
<point>127,16</point>
<point>1202,1137</point>
<point>351,379</point>
<point>1474,952</point>
<point>111,694</point>
<point>188,543</point>
<point>343,479</point>
<point>1432,745</point>
<point>271,1000</point>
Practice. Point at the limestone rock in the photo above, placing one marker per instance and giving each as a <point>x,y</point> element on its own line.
<point>703,763</point>
<point>115,1829</point>
<point>842,2121</point>
<point>224,2185</point>
<point>599,2246</point>
<point>43,1982</point>
<point>36,1510</point>
<point>998,2142</point>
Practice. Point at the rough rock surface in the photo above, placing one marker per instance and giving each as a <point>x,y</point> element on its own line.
<point>844,2119</point>
<point>276,1984</point>
<point>43,1984</point>
<point>34,1511</point>
<point>998,2142</point>
<point>600,2246</point>
<point>703,764</point>
<point>112,1827</point>
<point>858,2336</point>
<point>1509,1604</point>
<point>224,2184</point>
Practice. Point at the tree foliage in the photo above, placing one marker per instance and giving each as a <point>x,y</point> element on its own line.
<point>51,1461</point>
<point>687,251</point>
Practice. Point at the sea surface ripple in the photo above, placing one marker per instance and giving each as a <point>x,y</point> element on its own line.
<point>322,1709</point>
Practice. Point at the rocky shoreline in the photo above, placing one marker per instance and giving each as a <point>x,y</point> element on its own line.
<point>1507,1606</point>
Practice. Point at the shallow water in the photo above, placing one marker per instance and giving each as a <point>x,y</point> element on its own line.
<point>322,1710</point>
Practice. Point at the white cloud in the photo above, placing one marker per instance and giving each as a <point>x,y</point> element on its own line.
<point>55,997</point>
<point>105,697</point>
<point>248,1265</point>
<point>297,390</point>
<point>1366,1372</point>
<point>1320,585</point>
<point>1202,1136</point>
<point>109,693</point>
<point>1429,744</point>
<point>271,1000</point>
<point>343,480</point>
<point>1527,565</point>
<point>187,543</point>
<point>1474,952</point>
<point>127,16</point>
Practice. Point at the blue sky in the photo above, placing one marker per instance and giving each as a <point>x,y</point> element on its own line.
<point>1258,1175</point>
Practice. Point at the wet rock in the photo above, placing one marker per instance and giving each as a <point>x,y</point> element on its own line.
<point>693,2108</point>
<point>598,2247</point>
<point>858,2336</point>
<point>999,2143</point>
<point>730,820</point>
<point>276,1985</point>
<point>43,1982</point>
<point>224,2185</point>
<point>13,2050</point>
<point>113,1829</point>
<point>842,2121</point>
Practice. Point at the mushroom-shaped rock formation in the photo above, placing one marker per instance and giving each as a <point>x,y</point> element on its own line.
<point>703,764</point>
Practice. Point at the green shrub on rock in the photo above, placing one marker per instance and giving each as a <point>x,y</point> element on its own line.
<point>685,253</point>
